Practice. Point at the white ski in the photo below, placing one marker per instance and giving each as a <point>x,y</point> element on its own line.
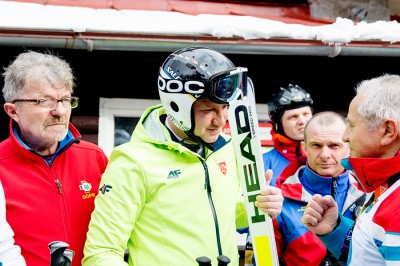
<point>243,124</point>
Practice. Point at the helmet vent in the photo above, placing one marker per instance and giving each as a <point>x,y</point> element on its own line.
<point>174,107</point>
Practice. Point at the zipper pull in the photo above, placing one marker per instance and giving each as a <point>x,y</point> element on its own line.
<point>59,186</point>
<point>333,187</point>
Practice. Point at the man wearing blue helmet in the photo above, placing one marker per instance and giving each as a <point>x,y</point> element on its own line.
<point>172,194</point>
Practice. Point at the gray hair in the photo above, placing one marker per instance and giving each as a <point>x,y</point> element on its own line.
<point>36,67</point>
<point>325,118</point>
<point>381,99</point>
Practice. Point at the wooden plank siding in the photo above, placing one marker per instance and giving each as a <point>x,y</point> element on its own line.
<point>88,126</point>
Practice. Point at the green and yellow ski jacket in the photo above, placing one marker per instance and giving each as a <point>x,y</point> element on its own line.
<point>165,204</point>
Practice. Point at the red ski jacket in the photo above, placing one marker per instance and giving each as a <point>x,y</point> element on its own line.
<point>50,199</point>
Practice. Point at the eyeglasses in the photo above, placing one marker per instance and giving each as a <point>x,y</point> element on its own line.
<point>51,103</point>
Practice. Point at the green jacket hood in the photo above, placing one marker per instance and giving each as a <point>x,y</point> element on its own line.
<point>150,129</point>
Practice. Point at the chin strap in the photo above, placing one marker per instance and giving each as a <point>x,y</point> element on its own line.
<point>191,142</point>
<point>195,144</point>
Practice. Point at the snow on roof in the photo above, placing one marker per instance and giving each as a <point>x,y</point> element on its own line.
<point>28,16</point>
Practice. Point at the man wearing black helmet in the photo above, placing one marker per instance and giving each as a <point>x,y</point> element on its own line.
<point>289,109</point>
<point>172,194</point>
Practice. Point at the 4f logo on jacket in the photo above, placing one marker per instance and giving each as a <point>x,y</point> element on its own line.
<point>174,174</point>
<point>105,188</point>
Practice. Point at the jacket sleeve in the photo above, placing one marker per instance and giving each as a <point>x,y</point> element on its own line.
<point>121,189</point>
<point>314,251</point>
<point>290,240</point>
<point>335,240</point>
<point>10,254</point>
<point>278,238</point>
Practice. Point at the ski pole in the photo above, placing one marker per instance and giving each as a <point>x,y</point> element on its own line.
<point>57,249</point>
<point>223,260</point>
<point>60,255</point>
<point>68,255</point>
<point>203,261</point>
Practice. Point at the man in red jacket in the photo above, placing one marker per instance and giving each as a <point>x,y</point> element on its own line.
<point>50,176</point>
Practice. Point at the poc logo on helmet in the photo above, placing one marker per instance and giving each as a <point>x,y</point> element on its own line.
<point>179,86</point>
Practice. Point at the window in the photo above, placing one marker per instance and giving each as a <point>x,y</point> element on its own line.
<point>118,118</point>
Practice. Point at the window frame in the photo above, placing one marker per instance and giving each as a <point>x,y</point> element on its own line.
<point>109,108</point>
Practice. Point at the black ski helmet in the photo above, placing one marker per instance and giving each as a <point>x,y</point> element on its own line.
<point>194,73</point>
<point>292,97</point>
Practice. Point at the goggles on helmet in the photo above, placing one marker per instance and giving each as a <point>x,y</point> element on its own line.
<point>223,87</point>
<point>226,85</point>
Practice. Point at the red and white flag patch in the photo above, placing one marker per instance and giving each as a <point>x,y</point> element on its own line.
<point>222,166</point>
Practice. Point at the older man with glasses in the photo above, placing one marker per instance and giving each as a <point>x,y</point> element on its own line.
<point>50,176</point>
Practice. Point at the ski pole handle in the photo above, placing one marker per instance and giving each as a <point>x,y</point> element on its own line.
<point>68,254</point>
<point>203,261</point>
<point>60,255</point>
<point>223,260</point>
<point>57,249</point>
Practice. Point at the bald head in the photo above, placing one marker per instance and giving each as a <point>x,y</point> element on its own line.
<point>323,143</point>
<point>324,119</point>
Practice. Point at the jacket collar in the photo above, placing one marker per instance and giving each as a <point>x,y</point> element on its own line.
<point>289,148</point>
<point>299,182</point>
<point>73,136</point>
<point>373,172</point>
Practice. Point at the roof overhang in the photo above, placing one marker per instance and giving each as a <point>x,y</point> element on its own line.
<point>33,25</point>
<point>168,43</point>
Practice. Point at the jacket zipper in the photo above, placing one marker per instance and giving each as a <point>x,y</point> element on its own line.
<point>61,203</point>
<point>207,186</point>
<point>333,187</point>
<point>59,186</point>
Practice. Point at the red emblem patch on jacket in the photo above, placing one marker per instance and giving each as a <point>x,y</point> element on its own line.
<point>222,166</point>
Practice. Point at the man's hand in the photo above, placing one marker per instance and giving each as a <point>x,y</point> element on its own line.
<point>321,215</point>
<point>270,199</point>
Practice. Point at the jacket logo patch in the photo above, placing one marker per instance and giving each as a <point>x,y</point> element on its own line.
<point>87,187</point>
<point>174,174</point>
<point>105,188</point>
<point>222,166</point>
